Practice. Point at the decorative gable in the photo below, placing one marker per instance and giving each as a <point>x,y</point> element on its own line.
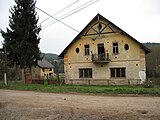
<point>101,26</point>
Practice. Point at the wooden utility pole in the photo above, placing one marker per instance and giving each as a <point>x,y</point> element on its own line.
<point>5,64</point>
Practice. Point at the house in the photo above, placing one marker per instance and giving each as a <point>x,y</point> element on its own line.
<point>44,70</point>
<point>103,54</point>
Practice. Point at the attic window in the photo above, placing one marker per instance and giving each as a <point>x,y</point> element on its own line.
<point>86,48</point>
<point>126,47</point>
<point>115,48</point>
<point>77,50</point>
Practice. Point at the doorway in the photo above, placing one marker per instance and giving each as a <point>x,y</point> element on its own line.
<point>101,52</point>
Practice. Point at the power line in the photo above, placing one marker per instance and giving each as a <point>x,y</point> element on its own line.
<point>60,11</point>
<point>57,19</point>
<point>71,13</point>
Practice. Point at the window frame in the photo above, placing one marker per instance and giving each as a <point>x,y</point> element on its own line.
<point>85,73</point>
<point>118,72</point>
<point>86,49</point>
<point>115,48</point>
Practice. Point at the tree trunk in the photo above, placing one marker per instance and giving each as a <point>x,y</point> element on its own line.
<point>28,75</point>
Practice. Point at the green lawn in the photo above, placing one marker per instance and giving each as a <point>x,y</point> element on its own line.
<point>83,89</point>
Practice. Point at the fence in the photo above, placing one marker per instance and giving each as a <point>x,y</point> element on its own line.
<point>104,81</point>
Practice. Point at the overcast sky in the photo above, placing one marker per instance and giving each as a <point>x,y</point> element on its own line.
<point>139,18</point>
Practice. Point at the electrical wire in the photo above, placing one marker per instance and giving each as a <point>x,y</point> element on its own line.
<point>69,14</point>
<point>60,11</point>
<point>57,19</point>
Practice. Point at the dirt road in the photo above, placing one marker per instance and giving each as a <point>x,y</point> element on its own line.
<point>28,105</point>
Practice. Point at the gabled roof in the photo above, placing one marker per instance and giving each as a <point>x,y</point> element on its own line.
<point>44,64</point>
<point>98,16</point>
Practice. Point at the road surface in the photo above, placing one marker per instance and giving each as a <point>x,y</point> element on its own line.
<point>29,105</point>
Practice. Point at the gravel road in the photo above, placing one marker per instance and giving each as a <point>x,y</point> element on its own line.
<point>28,105</point>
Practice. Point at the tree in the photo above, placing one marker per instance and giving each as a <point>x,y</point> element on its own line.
<point>21,39</point>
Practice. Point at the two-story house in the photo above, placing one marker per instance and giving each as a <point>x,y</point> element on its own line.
<point>103,54</point>
<point>43,70</point>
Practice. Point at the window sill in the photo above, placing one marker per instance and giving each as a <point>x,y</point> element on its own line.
<point>115,53</point>
<point>112,78</point>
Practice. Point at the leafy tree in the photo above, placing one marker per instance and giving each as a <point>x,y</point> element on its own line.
<point>21,38</point>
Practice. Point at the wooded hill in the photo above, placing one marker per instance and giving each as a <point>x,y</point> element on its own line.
<point>153,60</point>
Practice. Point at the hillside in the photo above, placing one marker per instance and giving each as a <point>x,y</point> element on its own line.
<point>153,60</point>
<point>50,56</point>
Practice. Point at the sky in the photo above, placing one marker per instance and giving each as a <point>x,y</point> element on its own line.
<point>139,18</point>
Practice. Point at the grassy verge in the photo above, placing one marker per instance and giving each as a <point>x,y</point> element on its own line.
<point>83,89</point>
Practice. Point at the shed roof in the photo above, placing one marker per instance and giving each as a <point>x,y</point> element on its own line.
<point>92,21</point>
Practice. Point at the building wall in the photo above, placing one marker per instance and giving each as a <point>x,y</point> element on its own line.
<point>132,59</point>
<point>42,73</point>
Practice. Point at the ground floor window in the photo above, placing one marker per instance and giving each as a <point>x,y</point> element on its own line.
<point>85,73</point>
<point>118,72</point>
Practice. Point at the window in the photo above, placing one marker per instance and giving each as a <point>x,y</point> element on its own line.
<point>85,73</point>
<point>115,48</point>
<point>86,47</point>
<point>118,72</point>
<point>77,50</point>
<point>126,47</point>
<point>50,69</point>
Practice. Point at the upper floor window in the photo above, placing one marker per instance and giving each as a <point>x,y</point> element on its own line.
<point>86,47</point>
<point>115,48</point>
<point>118,72</point>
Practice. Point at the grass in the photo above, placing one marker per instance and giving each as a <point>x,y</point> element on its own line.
<point>84,89</point>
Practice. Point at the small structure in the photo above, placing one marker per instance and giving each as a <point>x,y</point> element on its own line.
<point>103,54</point>
<point>44,70</point>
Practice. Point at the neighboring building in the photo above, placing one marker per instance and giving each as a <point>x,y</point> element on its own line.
<point>44,70</point>
<point>103,54</point>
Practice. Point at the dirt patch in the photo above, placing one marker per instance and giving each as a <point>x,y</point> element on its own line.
<point>25,105</point>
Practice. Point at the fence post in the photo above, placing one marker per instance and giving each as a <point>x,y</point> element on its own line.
<point>89,82</point>
<point>108,82</point>
<point>128,82</point>
<point>71,82</point>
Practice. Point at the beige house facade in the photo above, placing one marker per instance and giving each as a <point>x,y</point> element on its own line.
<point>103,54</point>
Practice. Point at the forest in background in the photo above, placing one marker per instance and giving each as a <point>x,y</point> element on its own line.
<point>153,60</point>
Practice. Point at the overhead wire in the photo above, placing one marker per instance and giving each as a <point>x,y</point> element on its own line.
<point>60,11</point>
<point>57,19</point>
<point>71,13</point>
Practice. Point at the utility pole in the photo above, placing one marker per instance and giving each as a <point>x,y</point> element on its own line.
<point>56,65</point>
<point>5,64</point>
